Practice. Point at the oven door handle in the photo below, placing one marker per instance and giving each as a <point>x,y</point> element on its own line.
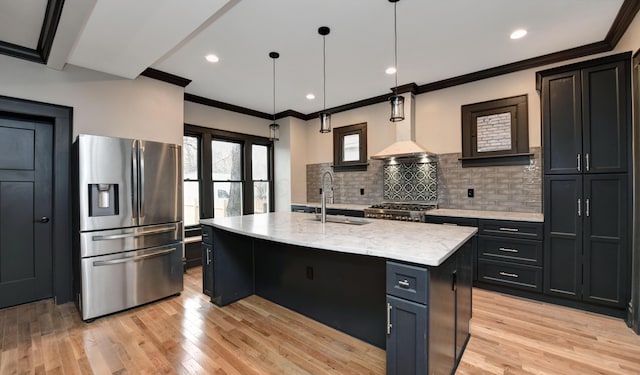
<point>133,259</point>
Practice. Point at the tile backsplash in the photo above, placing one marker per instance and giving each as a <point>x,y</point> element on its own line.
<point>515,188</point>
<point>500,188</point>
<point>347,185</point>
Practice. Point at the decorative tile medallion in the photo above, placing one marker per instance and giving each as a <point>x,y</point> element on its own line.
<point>410,182</point>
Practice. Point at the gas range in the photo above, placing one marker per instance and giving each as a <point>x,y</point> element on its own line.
<point>406,211</point>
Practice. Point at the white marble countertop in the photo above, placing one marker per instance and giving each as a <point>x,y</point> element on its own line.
<point>477,214</point>
<point>426,244</point>
<point>480,214</point>
<point>337,206</point>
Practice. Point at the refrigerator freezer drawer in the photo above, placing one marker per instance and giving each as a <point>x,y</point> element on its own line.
<point>128,239</point>
<point>117,282</point>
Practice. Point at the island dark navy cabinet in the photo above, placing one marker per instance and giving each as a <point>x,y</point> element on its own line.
<point>419,313</point>
<point>428,313</point>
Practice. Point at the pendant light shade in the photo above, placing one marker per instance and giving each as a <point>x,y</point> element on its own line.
<point>397,108</point>
<point>396,101</point>
<point>325,122</point>
<point>274,129</point>
<point>325,117</point>
<point>274,132</point>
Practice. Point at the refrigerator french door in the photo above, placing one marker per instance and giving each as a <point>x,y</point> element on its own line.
<point>129,224</point>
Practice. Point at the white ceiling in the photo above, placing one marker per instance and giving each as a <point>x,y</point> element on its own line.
<point>436,40</point>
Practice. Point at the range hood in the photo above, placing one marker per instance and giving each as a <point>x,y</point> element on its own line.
<point>405,146</point>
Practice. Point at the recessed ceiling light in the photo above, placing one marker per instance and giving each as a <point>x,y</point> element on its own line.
<point>391,70</point>
<point>212,58</point>
<point>518,34</point>
<point>310,96</point>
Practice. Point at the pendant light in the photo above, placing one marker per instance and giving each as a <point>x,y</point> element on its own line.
<point>325,117</point>
<point>273,127</point>
<point>396,101</point>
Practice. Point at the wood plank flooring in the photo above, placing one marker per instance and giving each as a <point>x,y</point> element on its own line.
<point>189,335</point>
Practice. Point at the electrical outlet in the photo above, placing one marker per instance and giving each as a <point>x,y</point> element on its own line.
<point>361,191</point>
<point>320,192</point>
<point>470,193</point>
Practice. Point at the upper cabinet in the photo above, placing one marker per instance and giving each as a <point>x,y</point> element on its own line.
<point>585,119</point>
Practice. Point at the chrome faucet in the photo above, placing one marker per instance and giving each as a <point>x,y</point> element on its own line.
<point>323,204</point>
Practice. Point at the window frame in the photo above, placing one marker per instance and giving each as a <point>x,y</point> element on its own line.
<point>338,147</point>
<point>517,107</point>
<point>206,136</point>
<point>188,228</point>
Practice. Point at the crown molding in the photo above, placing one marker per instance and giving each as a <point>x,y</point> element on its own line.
<point>625,16</point>
<point>40,54</point>
<point>166,77</point>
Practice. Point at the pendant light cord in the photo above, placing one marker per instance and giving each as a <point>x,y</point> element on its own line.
<point>274,90</point>
<point>395,42</point>
<point>324,73</point>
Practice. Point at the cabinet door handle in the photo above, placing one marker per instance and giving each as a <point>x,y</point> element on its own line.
<point>586,209</point>
<point>579,207</point>
<point>454,280</point>
<point>578,160</point>
<point>508,250</point>
<point>208,256</point>
<point>514,275</point>
<point>509,229</point>
<point>586,161</point>
<point>388,318</point>
<point>452,224</point>
<point>403,283</point>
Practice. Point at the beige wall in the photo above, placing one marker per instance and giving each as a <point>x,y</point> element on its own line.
<point>102,104</point>
<point>153,110</point>
<point>438,126</point>
<point>298,155</point>
<point>216,118</point>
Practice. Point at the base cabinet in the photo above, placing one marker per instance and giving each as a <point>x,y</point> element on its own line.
<point>510,254</point>
<point>428,312</point>
<point>407,337</point>
<point>207,260</point>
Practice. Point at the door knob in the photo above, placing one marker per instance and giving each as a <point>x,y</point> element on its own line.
<point>43,220</point>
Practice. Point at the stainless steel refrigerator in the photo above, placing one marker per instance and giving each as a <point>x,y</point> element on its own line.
<point>128,223</point>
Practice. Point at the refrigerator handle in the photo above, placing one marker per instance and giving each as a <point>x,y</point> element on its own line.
<point>134,181</point>
<point>141,193</point>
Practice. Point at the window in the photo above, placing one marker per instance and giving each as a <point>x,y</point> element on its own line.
<point>226,174</point>
<point>191,170</point>
<point>350,148</point>
<point>494,131</point>
<point>227,178</point>
<point>260,175</point>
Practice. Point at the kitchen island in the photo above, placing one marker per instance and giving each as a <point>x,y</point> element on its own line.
<point>401,286</point>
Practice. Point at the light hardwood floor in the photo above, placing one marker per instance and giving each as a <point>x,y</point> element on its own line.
<point>189,335</point>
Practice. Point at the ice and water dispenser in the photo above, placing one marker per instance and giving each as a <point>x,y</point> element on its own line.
<point>103,199</point>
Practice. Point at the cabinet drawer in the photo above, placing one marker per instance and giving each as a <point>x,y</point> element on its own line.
<point>207,234</point>
<point>510,249</point>
<point>510,274</point>
<point>518,229</point>
<point>447,220</point>
<point>408,282</point>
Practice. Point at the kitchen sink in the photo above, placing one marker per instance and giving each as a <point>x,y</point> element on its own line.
<point>341,219</point>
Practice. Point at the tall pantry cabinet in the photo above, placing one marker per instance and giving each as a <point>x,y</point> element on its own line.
<point>586,114</point>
